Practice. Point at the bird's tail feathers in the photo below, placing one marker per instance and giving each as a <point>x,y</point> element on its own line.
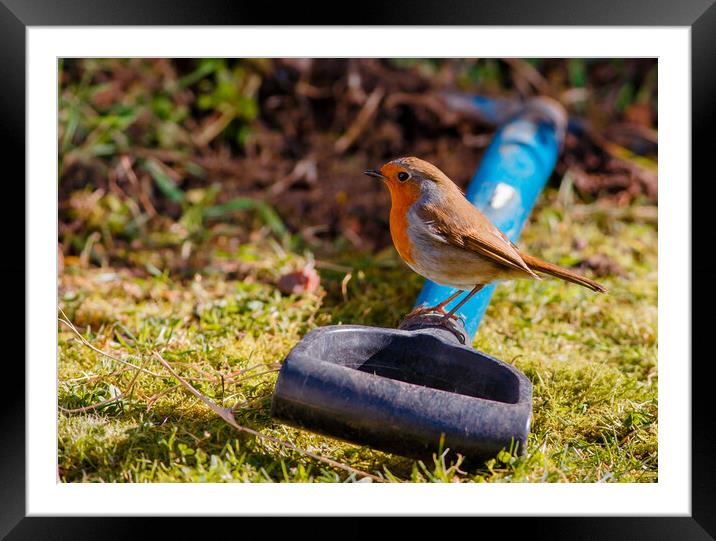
<point>560,272</point>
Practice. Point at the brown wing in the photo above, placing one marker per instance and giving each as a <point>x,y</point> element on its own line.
<point>463,226</point>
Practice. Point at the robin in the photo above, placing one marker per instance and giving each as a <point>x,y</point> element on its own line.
<point>443,237</point>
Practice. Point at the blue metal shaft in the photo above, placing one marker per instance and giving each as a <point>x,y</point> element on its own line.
<point>511,175</point>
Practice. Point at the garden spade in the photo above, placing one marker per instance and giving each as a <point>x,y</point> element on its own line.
<point>421,389</point>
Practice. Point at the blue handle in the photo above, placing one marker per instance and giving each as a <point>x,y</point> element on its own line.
<point>512,173</point>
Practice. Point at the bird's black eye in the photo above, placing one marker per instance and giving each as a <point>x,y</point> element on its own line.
<point>403,176</point>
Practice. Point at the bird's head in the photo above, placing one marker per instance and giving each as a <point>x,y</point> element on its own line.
<point>413,177</point>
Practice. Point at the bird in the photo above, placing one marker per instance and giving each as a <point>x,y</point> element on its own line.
<point>440,235</point>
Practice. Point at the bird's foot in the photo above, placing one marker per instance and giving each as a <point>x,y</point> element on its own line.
<point>424,318</point>
<point>424,310</point>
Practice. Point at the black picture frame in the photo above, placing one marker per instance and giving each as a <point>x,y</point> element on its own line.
<point>17,15</point>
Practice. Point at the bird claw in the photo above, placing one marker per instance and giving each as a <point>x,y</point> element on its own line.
<point>422,318</point>
<point>430,310</point>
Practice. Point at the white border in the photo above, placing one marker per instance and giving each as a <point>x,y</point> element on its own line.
<point>671,495</point>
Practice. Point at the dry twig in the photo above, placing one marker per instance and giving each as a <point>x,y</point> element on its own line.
<point>84,341</point>
<point>227,415</point>
<point>366,113</point>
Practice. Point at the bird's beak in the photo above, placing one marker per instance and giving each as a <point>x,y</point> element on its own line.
<point>374,173</point>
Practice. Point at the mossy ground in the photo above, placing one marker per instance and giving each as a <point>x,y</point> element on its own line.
<point>591,358</point>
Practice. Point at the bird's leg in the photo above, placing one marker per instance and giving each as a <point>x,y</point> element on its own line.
<point>441,307</point>
<point>437,308</point>
<point>463,301</point>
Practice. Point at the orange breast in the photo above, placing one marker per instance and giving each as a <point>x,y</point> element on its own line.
<point>403,196</point>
